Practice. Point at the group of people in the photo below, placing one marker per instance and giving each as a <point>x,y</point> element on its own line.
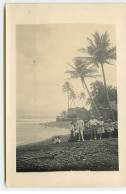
<point>95,126</point>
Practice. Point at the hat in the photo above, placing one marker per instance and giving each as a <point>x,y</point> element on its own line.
<point>109,120</point>
<point>101,117</point>
<point>92,116</point>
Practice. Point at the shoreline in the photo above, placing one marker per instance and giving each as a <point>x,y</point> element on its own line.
<point>58,124</point>
<point>48,141</point>
<point>30,134</point>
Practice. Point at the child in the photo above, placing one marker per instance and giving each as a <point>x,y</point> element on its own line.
<point>72,131</point>
<point>72,128</point>
<point>57,140</point>
<point>110,128</point>
<point>101,127</point>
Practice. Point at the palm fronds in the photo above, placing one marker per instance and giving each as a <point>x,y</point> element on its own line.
<point>81,69</point>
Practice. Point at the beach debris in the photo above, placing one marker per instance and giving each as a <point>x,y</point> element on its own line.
<point>56,140</point>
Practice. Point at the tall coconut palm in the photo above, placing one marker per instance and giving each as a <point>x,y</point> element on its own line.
<point>66,89</point>
<point>82,97</point>
<point>73,96</point>
<point>100,53</point>
<point>81,70</point>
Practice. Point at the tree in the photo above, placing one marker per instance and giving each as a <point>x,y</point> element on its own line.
<point>73,96</point>
<point>81,70</point>
<point>66,89</point>
<point>98,93</point>
<point>82,97</point>
<point>100,53</point>
<point>64,113</point>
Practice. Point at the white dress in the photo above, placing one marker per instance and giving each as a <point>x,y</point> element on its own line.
<point>101,127</point>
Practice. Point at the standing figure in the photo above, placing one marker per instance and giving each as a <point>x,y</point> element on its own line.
<point>80,129</point>
<point>86,125</point>
<point>93,125</point>
<point>101,130</point>
<point>110,128</point>
<point>72,128</point>
<point>72,132</point>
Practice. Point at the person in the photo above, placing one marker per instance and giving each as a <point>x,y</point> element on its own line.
<point>93,125</point>
<point>72,128</point>
<point>80,128</point>
<point>73,132</point>
<point>86,125</point>
<point>110,128</point>
<point>57,140</point>
<point>100,130</point>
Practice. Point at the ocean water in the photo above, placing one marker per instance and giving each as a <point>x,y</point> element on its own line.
<point>33,120</point>
<point>29,130</point>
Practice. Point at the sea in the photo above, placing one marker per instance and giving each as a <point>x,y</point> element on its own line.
<point>29,130</point>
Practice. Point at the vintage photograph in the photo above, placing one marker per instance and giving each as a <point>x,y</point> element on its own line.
<point>66,98</point>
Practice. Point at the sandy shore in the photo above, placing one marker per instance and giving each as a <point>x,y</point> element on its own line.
<point>33,133</point>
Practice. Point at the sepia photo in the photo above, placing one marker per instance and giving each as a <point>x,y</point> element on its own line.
<point>66,98</point>
<point>65,95</point>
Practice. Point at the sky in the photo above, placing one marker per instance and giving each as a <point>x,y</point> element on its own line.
<point>43,52</point>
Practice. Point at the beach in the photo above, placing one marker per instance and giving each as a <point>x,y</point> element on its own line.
<point>96,155</point>
<point>30,131</point>
<point>37,152</point>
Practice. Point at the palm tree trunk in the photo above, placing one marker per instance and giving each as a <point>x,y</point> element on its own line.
<point>85,86</point>
<point>107,92</point>
<point>71,103</point>
<point>74,103</point>
<point>68,103</point>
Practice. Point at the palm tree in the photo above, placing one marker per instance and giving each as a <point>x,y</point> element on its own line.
<point>81,70</point>
<point>82,97</point>
<point>100,53</point>
<point>73,96</point>
<point>66,89</point>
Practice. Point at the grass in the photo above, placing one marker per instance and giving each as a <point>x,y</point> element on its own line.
<point>95,155</point>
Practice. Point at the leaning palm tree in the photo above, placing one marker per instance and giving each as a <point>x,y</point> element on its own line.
<point>66,89</point>
<point>82,97</point>
<point>100,53</point>
<point>81,70</point>
<point>73,96</point>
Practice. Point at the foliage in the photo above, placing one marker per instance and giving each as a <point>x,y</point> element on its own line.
<point>81,69</point>
<point>99,50</point>
<point>73,95</point>
<point>98,94</point>
<point>66,87</point>
<point>82,96</point>
<point>64,113</point>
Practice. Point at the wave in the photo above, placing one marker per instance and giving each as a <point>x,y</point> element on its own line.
<point>34,120</point>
